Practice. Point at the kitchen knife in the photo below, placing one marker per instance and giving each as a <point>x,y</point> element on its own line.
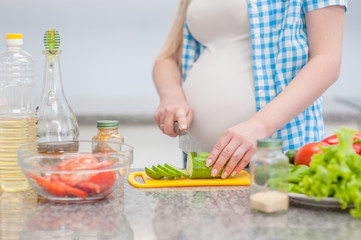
<point>186,142</point>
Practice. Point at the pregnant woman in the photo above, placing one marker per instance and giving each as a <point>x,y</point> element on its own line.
<point>234,71</point>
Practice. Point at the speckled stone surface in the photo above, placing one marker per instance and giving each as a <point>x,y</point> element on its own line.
<point>170,213</point>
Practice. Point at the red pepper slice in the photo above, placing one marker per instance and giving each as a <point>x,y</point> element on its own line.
<point>75,191</point>
<point>105,180</point>
<point>333,140</point>
<point>56,187</point>
<point>89,187</point>
<point>75,178</point>
<point>78,183</point>
<point>84,162</point>
<point>53,188</point>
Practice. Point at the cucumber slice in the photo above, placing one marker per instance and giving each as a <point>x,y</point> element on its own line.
<point>196,166</point>
<point>169,171</point>
<point>203,154</point>
<point>153,174</point>
<point>177,170</point>
<point>160,171</point>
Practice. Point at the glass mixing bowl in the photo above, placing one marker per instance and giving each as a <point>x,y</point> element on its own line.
<point>75,170</point>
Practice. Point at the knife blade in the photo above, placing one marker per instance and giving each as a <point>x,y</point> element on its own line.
<point>186,142</point>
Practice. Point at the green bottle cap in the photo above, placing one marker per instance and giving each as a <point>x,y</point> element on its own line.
<point>107,123</point>
<point>269,143</point>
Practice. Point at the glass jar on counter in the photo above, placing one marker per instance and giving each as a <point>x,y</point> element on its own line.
<point>269,178</point>
<point>107,131</point>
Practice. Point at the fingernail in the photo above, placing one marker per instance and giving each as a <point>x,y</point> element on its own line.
<point>182,127</point>
<point>233,173</point>
<point>208,162</point>
<point>214,172</point>
<point>224,175</point>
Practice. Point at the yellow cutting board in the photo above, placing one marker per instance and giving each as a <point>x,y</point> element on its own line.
<point>241,179</point>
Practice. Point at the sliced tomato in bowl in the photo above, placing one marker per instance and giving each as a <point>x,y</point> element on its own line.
<point>76,180</point>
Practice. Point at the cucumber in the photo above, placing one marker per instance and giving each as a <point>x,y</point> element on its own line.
<point>160,171</point>
<point>196,166</point>
<point>169,171</point>
<point>177,170</point>
<point>153,174</point>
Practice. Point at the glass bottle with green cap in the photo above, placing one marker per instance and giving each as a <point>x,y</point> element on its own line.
<point>269,178</point>
<point>108,131</point>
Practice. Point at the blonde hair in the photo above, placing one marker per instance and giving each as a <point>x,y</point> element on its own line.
<point>174,42</point>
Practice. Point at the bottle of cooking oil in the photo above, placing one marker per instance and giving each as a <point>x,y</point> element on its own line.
<point>17,115</point>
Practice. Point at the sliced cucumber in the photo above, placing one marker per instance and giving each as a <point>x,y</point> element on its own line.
<point>160,171</point>
<point>169,171</point>
<point>177,170</point>
<point>153,174</point>
<point>196,166</point>
<point>203,154</point>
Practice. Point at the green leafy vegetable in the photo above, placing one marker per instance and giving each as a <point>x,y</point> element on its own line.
<point>297,173</point>
<point>334,172</point>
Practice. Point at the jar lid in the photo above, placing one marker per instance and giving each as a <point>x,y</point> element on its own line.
<point>269,143</point>
<point>107,123</point>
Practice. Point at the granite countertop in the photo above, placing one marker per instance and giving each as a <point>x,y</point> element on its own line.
<point>169,213</point>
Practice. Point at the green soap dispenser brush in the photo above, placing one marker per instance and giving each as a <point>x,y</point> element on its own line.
<point>56,120</point>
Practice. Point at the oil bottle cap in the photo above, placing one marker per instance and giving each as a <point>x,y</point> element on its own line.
<point>269,143</point>
<point>14,39</point>
<point>107,124</point>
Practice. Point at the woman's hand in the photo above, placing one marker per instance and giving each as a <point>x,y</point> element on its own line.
<point>237,144</point>
<point>171,109</point>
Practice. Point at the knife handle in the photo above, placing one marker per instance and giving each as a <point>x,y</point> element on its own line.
<point>177,130</point>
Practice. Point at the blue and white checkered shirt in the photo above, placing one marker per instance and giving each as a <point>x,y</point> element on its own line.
<point>280,50</point>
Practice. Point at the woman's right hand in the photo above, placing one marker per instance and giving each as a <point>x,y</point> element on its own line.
<point>171,109</point>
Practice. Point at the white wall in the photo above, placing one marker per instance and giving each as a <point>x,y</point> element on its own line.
<point>349,83</point>
<point>109,46</point>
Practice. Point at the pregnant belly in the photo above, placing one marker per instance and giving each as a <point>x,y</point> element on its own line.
<point>220,92</point>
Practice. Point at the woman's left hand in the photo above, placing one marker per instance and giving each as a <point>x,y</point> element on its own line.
<point>237,144</point>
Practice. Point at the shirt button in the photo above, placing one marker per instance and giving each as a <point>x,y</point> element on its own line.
<point>258,65</point>
<point>257,35</point>
<point>261,93</point>
<point>254,6</point>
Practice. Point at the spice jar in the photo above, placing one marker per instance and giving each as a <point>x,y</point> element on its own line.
<point>269,178</point>
<point>107,131</point>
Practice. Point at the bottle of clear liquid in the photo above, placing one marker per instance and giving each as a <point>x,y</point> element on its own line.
<point>17,115</point>
<point>56,120</point>
<point>269,177</point>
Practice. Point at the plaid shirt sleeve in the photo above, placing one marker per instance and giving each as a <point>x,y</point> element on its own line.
<point>309,5</point>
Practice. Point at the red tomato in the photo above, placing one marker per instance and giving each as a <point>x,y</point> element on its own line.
<point>304,154</point>
<point>105,180</point>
